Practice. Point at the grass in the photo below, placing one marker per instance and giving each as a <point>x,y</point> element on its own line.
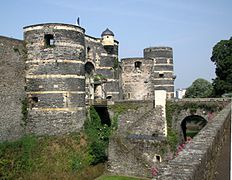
<point>73,156</point>
<point>64,157</point>
<point>118,178</point>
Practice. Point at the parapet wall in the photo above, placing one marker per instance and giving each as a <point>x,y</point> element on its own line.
<point>199,159</point>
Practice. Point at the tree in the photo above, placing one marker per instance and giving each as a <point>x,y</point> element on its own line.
<point>200,88</point>
<point>222,58</point>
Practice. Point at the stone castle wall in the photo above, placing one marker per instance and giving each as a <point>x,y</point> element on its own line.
<point>136,79</point>
<point>138,143</point>
<point>12,83</point>
<point>58,86</point>
<point>55,78</point>
<point>142,76</point>
<point>104,60</point>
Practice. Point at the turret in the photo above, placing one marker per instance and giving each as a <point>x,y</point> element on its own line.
<point>107,38</point>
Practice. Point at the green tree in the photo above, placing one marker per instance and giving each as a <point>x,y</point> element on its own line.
<point>222,58</point>
<point>200,88</point>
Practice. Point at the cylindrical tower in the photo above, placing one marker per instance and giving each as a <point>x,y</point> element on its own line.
<point>163,77</point>
<point>55,78</point>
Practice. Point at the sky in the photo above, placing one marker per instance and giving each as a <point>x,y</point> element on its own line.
<point>190,27</point>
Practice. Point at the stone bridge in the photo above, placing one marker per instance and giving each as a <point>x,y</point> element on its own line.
<point>205,108</point>
<point>199,159</point>
<point>140,147</point>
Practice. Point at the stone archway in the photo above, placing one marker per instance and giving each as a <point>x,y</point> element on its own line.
<point>191,125</point>
<point>89,68</point>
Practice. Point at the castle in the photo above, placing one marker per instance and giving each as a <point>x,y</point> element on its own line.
<point>60,71</point>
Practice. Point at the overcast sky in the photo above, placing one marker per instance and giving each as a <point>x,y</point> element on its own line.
<point>190,27</point>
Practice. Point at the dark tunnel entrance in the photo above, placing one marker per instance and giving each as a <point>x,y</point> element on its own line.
<point>191,125</point>
<point>104,115</point>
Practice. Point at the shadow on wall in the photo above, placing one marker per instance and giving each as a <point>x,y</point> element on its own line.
<point>191,125</point>
<point>104,115</point>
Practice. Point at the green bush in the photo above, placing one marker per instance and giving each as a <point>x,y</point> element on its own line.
<point>97,136</point>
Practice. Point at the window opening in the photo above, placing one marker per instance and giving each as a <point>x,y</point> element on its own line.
<point>49,40</point>
<point>88,49</point>
<point>161,75</point>
<point>138,65</point>
<point>158,158</point>
<point>109,97</point>
<point>35,99</point>
<point>128,95</point>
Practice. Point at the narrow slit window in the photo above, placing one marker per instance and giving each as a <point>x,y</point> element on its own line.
<point>128,95</point>
<point>49,40</point>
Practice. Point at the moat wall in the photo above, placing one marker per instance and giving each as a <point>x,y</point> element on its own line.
<point>12,83</point>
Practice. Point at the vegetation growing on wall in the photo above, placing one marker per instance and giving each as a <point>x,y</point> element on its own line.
<point>172,137</point>
<point>121,108</point>
<point>24,112</point>
<point>97,136</point>
<point>173,108</point>
<point>99,77</point>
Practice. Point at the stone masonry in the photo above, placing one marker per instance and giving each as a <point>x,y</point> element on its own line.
<point>12,84</point>
<point>60,71</point>
<point>198,161</point>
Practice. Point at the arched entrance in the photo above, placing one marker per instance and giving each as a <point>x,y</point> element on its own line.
<point>191,125</point>
<point>89,68</point>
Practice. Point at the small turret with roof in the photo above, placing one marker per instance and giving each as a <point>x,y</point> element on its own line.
<point>107,37</point>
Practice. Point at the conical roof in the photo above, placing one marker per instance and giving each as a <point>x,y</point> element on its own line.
<point>107,32</point>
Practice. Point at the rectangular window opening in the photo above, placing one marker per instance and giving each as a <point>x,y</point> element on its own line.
<point>49,40</point>
<point>138,65</point>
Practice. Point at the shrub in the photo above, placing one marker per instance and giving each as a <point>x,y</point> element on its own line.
<point>97,136</point>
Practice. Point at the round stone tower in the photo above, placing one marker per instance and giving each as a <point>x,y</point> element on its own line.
<point>55,78</point>
<point>163,77</point>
